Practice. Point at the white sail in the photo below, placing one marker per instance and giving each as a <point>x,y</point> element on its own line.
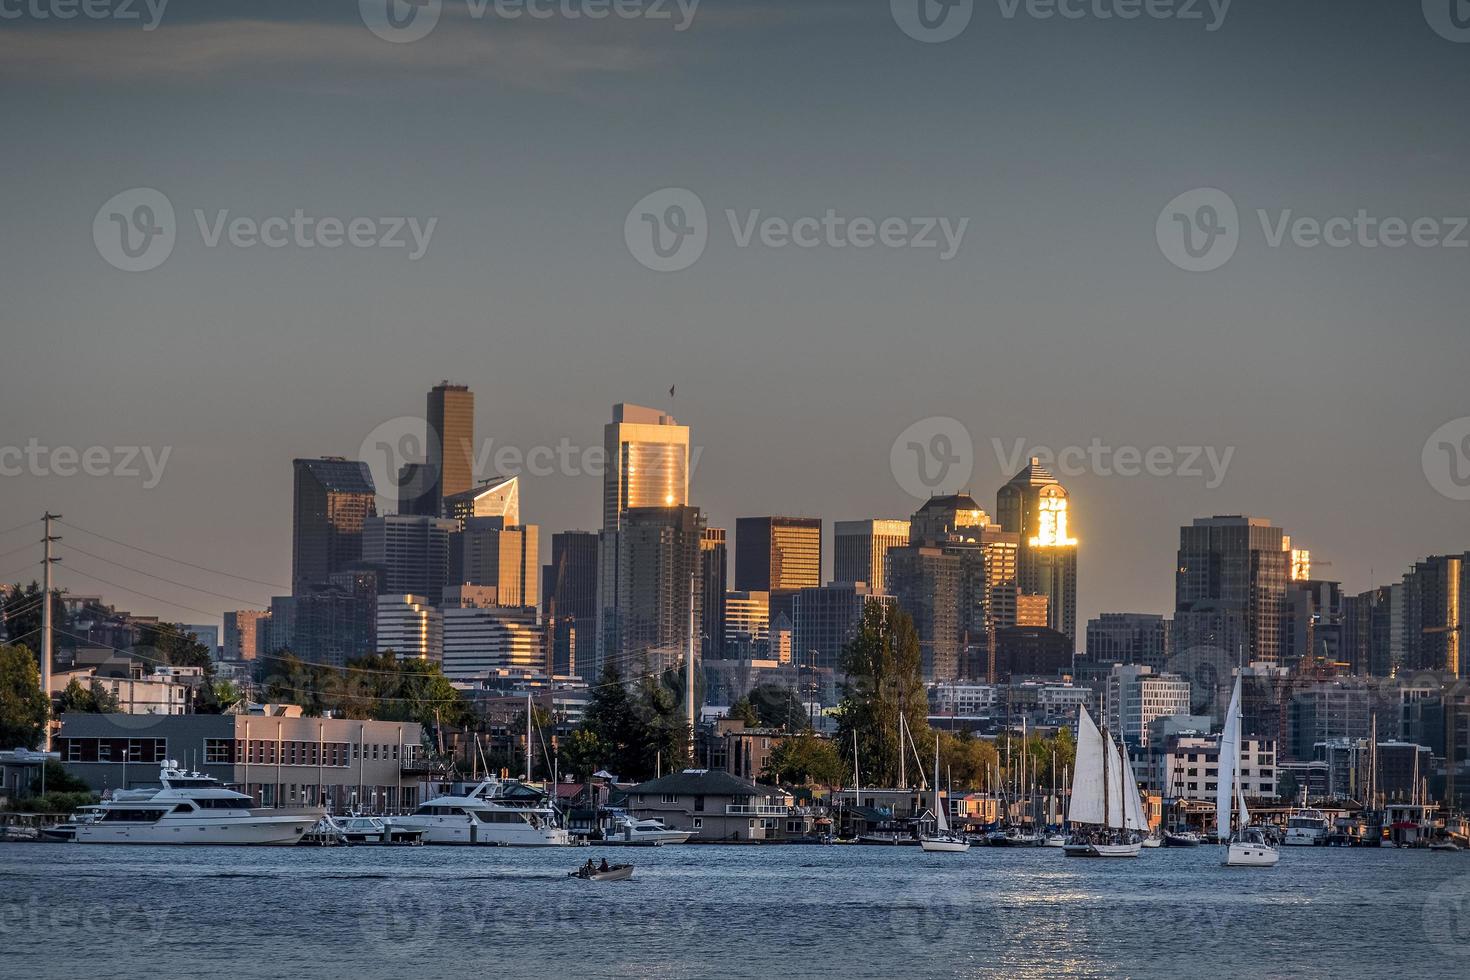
<point>1136,818</point>
<point>1087,776</point>
<point>1245,815</point>
<point>1117,801</point>
<point>940,820</point>
<point>1229,759</point>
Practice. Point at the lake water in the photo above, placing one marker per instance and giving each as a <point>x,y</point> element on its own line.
<point>69,910</point>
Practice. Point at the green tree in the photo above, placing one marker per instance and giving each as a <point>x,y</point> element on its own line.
<point>20,611</point>
<point>743,710</point>
<point>94,699</point>
<point>965,760</point>
<point>778,706</point>
<point>583,753</point>
<point>884,669</point>
<point>641,724</point>
<point>58,780</point>
<point>23,708</point>
<point>806,758</point>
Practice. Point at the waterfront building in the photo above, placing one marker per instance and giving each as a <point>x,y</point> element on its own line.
<point>279,759</point>
<point>957,699</point>
<point>1190,762</point>
<point>411,551</point>
<point>860,550</point>
<point>716,806</point>
<point>1129,638</point>
<point>1136,695</point>
<point>729,746</point>
<point>332,498</point>
<point>1035,506</point>
<point>646,465</point>
<point>409,626</point>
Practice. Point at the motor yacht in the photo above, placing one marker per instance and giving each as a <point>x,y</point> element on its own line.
<point>1306,828</point>
<point>622,828</point>
<point>492,812</point>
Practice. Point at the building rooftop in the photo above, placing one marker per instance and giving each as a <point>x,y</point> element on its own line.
<point>338,474</point>
<point>707,782</point>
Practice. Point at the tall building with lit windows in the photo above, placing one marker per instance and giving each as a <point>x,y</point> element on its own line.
<point>1035,506</point>
<point>646,465</point>
<point>333,498</point>
<point>451,417</point>
<point>860,550</point>
<point>778,555</point>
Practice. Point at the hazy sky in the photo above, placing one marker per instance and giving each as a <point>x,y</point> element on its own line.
<point>1058,320</point>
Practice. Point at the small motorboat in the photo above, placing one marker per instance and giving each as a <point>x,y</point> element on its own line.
<point>1444,845</point>
<point>1181,838</point>
<point>1152,840</point>
<point>615,872</point>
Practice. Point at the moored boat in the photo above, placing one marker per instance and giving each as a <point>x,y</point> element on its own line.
<point>489,813</point>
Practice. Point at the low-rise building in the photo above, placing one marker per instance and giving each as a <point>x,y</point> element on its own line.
<point>717,806</point>
<point>1190,763</point>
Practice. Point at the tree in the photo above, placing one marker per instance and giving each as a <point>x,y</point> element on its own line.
<point>172,645</point>
<point>965,760</point>
<point>641,724</point>
<point>58,780</point>
<point>23,707</point>
<point>583,753</point>
<point>743,710</point>
<point>91,700</point>
<point>20,610</point>
<point>778,706</point>
<point>885,682</point>
<point>806,758</point>
<point>1287,786</point>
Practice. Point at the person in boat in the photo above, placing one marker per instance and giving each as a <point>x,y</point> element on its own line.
<point>589,867</point>
<point>603,867</point>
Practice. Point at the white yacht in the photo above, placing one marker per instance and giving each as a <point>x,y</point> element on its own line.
<point>490,812</point>
<point>190,808</point>
<point>621,828</point>
<point>1306,828</point>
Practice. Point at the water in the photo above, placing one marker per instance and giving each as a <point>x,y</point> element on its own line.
<point>69,910</point>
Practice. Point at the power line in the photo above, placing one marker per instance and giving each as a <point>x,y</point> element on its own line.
<point>155,554</point>
<point>169,581</point>
<point>16,551</point>
<point>145,595</point>
<point>17,527</point>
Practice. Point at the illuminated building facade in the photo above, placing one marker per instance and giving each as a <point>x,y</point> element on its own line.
<point>860,550</point>
<point>1035,506</point>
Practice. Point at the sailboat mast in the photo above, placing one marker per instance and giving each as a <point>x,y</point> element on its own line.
<point>857,781</point>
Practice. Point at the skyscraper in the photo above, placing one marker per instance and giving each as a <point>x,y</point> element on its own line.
<point>333,496</point>
<point>488,552</point>
<point>569,602</point>
<point>658,555</point>
<point>646,465</point>
<point>860,550</point>
<point>1129,638</point>
<point>495,498</point>
<point>411,551</point>
<point>410,627</point>
<point>1035,506</point>
<point>827,618</point>
<point>713,569</point>
<point>779,555</point>
<point>451,418</point>
<point>1436,612</point>
<point>1230,588</point>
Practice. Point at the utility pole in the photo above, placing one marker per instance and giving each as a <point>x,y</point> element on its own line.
<point>689,672</point>
<point>46,625</point>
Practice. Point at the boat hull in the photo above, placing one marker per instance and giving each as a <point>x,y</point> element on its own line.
<point>620,873</point>
<point>447,830</point>
<point>944,846</point>
<point>1245,855</point>
<point>268,831</point>
<point>1103,850</point>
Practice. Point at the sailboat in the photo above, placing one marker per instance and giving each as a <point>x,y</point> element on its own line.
<point>1248,847</point>
<point>1105,800</point>
<point>944,840</point>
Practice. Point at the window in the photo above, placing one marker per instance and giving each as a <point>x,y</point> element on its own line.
<point>699,804</point>
<point>219,750</point>
<point>670,798</point>
<point>697,823</point>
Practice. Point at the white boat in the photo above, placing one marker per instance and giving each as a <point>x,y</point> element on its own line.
<point>484,814</point>
<point>67,829</point>
<point>1306,828</point>
<point>1106,807</point>
<point>622,828</point>
<point>944,840</point>
<point>1248,847</point>
<point>615,872</point>
<point>191,808</point>
<point>1054,840</point>
<point>357,828</point>
<point>1152,840</point>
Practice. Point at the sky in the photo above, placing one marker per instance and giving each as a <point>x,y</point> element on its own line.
<point>1068,157</point>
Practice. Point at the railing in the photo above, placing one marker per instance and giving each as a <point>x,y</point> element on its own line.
<point>756,810</point>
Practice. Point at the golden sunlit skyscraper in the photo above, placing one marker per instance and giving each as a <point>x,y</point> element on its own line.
<point>451,418</point>
<point>1035,506</point>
